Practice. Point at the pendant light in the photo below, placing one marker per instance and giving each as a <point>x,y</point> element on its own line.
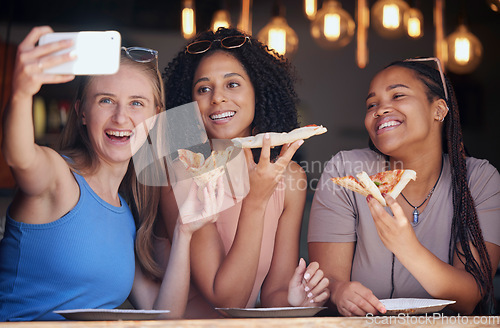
<point>221,18</point>
<point>310,8</point>
<point>333,27</point>
<point>414,22</point>
<point>363,21</point>
<point>464,51</point>
<point>278,35</point>
<point>388,17</point>
<point>188,19</point>
<point>464,48</point>
<point>494,5</point>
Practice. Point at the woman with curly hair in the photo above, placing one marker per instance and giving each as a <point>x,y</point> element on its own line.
<point>442,237</point>
<point>242,88</point>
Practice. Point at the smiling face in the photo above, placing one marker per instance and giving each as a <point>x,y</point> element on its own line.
<point>114,106</point>
<point>399,118</point>
<point>225,96</point>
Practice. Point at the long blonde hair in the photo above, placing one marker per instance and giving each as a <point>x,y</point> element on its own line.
<point>142,199</point>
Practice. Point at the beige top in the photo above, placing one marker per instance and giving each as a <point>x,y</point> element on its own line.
<point>227,224</point>
<point>340,215</point>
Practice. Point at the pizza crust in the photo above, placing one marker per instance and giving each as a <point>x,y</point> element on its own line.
<point>405,178</point>
<point>370,187</point>
<point>366,185</point>
<point>278,139</point>
<point>205,171</point>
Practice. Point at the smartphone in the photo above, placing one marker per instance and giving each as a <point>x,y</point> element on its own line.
<point>98,52</point>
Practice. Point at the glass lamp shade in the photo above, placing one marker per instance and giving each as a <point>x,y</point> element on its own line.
<point>221,19</point>
<point>464,51</point>
<point>414,23</point>
<point>278,35</point>
<point>333,27</point>
<point>188,19</point>
<point>388,18</point>
<point>310,8</point>
<point>494,5</point>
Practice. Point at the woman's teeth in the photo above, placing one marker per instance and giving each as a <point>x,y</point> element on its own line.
<point>388,124</point>
<point>222,116</point>
<point>119,133</point>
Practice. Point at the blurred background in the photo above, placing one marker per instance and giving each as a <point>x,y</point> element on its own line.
<point>333,75</point>
<point>332,86</point>
<point>334,51</point>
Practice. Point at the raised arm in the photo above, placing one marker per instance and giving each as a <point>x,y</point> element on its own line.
<point>172,292</point>
<point>37,170</point>
<point>438,278</point>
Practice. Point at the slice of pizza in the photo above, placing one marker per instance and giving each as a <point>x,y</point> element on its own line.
<point>278,139</point>
<point>205,171</point>
<point>388,182</point>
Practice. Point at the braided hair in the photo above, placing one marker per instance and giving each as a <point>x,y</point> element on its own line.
<point>465,229</point>
<point>271,75</point>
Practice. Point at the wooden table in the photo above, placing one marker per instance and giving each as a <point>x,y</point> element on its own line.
<point>380,321</point>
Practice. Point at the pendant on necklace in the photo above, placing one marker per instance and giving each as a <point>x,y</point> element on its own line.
<point>415,216</point>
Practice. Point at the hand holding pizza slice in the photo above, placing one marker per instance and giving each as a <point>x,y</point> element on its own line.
<point>205,171</point>
<point>278,139</point>
<point>388,182</point>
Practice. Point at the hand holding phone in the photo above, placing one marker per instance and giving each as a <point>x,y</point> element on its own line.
<point>97,52</point>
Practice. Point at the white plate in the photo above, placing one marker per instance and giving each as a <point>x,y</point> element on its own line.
<point>396,306</point>
<point>278,312</point>
<point>110,314</point>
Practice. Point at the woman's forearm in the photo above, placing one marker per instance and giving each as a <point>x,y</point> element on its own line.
<point>441,280</point>
<point>18,142</point>
<point>174,289</point>
<point>239,267</point>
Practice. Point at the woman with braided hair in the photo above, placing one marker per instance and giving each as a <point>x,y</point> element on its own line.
<point>441,237</point>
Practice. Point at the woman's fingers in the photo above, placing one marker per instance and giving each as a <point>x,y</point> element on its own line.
<point>265,153</point>
<point>286,157</point>
<point>395,207</point>
<point>33,36</point>
<point>299,274</point>
<point>322,297</point>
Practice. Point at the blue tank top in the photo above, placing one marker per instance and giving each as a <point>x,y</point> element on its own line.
<point>83,260</point>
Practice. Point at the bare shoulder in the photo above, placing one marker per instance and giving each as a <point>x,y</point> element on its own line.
<point>51,196</point>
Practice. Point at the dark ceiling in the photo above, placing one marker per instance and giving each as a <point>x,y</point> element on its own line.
<point>165,14</point>
<point>102,14</point>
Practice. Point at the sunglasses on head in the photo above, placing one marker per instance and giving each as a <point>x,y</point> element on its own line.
<point>230,42</point>
<point>141,55</point>
<point>440,69</point>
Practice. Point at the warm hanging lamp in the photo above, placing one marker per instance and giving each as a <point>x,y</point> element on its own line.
<point>310,8</point>
<point>464,51</point>
<point>221,18</point>
<point>278,35</point>
<point>333,27</point>
<point>388,17</point>
<point>494,5</point>
<point>414,22</point>
<point>363,21</point>
<point>464,48</point>
<point>188,19</point>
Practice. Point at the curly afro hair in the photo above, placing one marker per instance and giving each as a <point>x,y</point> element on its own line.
<point>272,77</point>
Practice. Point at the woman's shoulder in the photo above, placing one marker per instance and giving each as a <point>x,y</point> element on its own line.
<point>481,171</point>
